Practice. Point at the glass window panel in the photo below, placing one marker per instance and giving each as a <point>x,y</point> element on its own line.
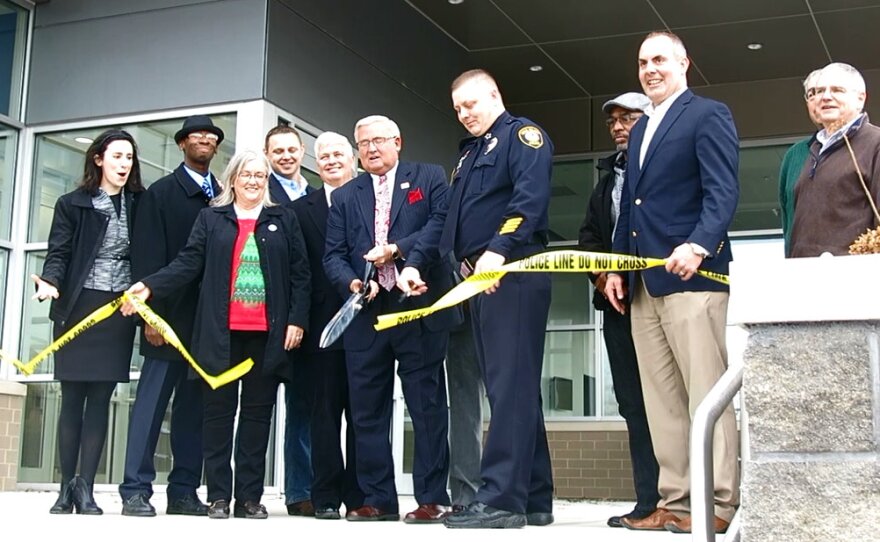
<point>58,161</point>
<point>13,40</point>
<point>8,141</point>
<point>4,272</point>
<point>758,207</point>
<point>571,302</point>
<point>568,384</point>
<point>572,185</point>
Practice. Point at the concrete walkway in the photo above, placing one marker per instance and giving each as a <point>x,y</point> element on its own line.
<point>24,515</point>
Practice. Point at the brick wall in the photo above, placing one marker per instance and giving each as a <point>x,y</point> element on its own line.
<point>592,463</point>
<point>11,405</point>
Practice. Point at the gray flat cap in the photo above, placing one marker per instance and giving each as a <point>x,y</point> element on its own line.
<point>634,101</point>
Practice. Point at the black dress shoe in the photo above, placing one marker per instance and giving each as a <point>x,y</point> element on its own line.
<point>539,519</point>
<point>64,504</point>
<point>138,505</point>
<point>250,510</point>
<point>83,500</point>
<point>188,505</point>
<point>482,516</point>
<point>219,509</point>
<point>327,512</point>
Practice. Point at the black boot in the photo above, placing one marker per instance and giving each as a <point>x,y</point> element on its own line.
<point>64,504</point>
<point>83,500</point>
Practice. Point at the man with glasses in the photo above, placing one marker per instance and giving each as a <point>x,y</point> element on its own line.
<point>793,162</point>
<point>166,214</point>
<point>378,217</point>
<point>285,150</point>
<point>596,235</point>
<point>833,208</point>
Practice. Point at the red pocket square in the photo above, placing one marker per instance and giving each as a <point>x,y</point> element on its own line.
<point>415,195</point>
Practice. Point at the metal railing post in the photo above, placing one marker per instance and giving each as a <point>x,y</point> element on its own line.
<point>702,474</point>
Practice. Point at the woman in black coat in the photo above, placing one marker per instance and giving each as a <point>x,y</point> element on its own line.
<point>87,265</point>
<point>253,302</point>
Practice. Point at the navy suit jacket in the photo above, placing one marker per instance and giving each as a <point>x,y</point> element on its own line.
<point>419,194</point>
<point>685,191</point>
<point>312,212</point>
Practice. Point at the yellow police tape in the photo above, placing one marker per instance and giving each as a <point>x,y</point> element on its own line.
<point>556,261</point>
<point>152,319</point>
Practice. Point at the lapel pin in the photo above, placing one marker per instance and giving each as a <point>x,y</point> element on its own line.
<point>273,227</point>
<point>404,185</point>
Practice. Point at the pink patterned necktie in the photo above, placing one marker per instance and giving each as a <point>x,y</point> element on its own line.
<point>387,277</point>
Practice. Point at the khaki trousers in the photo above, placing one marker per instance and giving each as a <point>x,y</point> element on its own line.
<point>682,352</point>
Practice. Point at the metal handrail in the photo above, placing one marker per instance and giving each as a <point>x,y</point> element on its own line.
<point>702,475</point>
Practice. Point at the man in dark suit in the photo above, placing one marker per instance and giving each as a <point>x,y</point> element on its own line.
<point>284,149</point>
<point>335,477</point>
<point>596,235</point>
<point>379,216</point>
<point>679,198</point>
<point>166,215</point>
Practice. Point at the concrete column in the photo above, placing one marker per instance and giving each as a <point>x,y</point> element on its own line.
<point>811,389</point>
<point>12,396</point>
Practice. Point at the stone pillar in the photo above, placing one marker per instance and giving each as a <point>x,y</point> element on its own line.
<point>11,407</point>
<point>811,390</point>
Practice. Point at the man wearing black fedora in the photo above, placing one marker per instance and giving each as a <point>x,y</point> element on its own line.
<point>168,210</point>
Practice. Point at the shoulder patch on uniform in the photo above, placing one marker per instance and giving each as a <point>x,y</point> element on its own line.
<point>531,136</point>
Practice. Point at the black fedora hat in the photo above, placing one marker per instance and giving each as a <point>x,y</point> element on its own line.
<point>198,123</point>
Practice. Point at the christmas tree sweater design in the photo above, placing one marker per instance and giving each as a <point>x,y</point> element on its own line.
<point>247,307</point>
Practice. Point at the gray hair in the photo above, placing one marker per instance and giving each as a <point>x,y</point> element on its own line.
<point>374,119</point>
<point>808,81</point>
<point>332,138</point>
<point>849,72</point>
<point>230,174</point>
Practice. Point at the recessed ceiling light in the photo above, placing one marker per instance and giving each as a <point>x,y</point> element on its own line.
<point>754,46</point>
<point>83,140</point>
<point>536,68</point>
<point>455,2</point>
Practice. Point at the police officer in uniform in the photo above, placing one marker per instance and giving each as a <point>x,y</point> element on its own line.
<point>498,213</point>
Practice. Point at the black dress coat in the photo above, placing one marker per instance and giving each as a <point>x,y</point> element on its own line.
<point>209,255</point>
<point>74,240</point>
<point>598,225</point>
<point>101,353</point>
<point>166,214</point>
<point>312,211</point>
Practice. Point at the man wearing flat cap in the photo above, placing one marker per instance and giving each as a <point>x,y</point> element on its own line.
<point>596,235</point>
<point>169,209</point>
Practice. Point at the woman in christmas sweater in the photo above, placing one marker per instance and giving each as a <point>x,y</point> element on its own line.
<point>253,303</point>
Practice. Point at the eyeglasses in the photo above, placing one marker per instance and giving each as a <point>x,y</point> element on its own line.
<point>626,118</point>
<point>259,175</point>
<point>817,92</point>
<point>376,142</point>
<point>204,135</point>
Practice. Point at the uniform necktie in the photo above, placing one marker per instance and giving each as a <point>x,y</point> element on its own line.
<point>382,223</point>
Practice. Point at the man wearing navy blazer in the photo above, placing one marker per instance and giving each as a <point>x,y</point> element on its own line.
<point>364,225</point>
<point>335,478</point>
<point>285,150</point>
<point>679,197</point>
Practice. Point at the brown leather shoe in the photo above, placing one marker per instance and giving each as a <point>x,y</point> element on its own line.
<point>427,513</point>
<point>302,508</point>
<point>684,525</point>
<point>655,522</point>
<point>370,513</point>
